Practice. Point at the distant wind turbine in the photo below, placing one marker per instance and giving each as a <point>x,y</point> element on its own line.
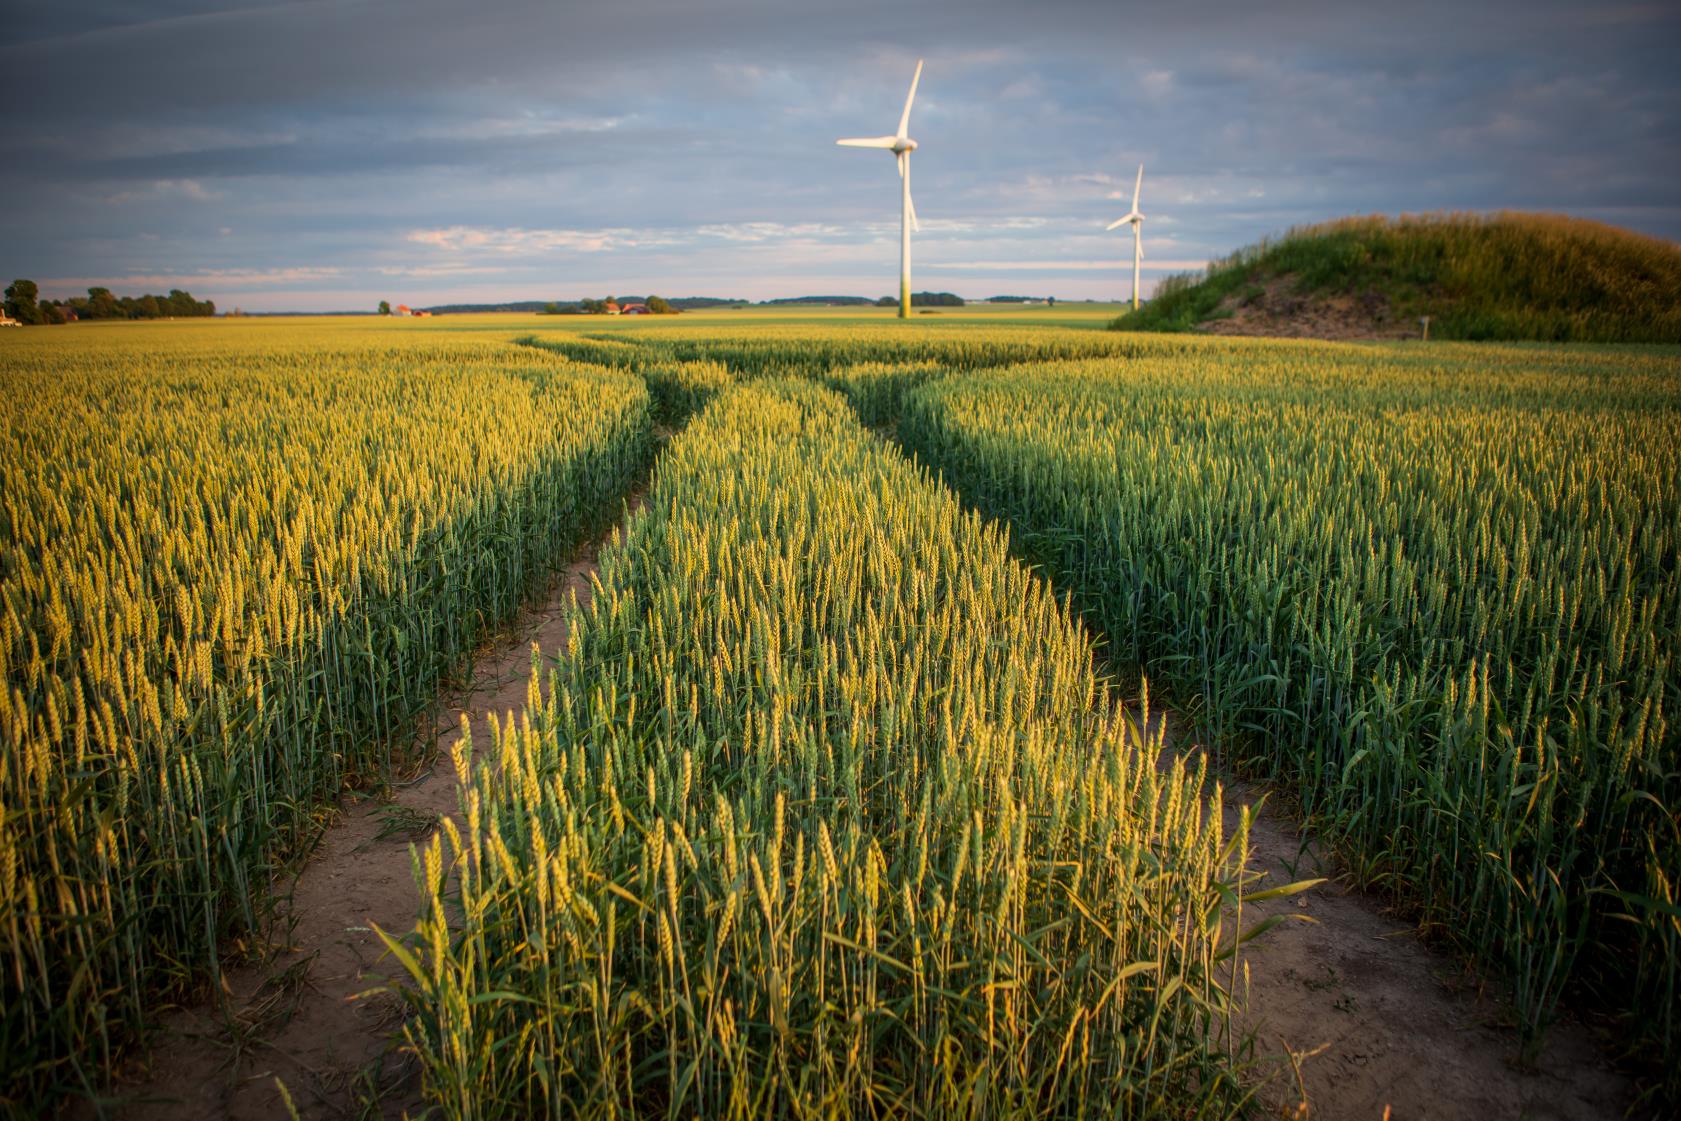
<point>1137,221</point>
<point>901,145</point>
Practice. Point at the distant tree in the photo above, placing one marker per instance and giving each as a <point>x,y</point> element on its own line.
<point>658,306</point>
<point>888,301</point>
<point>180,304</point>
<point>385,307</point>
<point>103,305</point>
<point>52,312</point>
<point>20,301</point>
<point>100,304</point>
<point>594,307</point>
<point>1051,300</point>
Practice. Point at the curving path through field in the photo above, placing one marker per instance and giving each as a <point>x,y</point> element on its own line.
<point>301,1018</point>
<point>1356,1018</point>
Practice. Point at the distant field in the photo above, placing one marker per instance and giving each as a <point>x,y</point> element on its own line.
<point>825,761</point>
<point>1095,315</point>
<point>1036,315</point>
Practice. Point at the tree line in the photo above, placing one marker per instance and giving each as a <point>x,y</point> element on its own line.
<point>925,299</point>
<point>23,303</point>
<point>655,305</point>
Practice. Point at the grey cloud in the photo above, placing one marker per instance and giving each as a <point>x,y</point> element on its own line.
<point>324,134</point>
<point>328,49</point>
<point>389,153</point>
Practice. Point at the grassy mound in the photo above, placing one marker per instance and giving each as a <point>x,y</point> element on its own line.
<point>1501,276</point>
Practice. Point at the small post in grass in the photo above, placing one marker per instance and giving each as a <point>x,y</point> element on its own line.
<point>1424,327</point>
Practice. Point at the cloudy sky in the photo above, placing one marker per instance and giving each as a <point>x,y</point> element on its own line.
<point>326,154</point>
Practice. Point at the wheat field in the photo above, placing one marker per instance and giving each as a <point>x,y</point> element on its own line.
<point>834,806</point>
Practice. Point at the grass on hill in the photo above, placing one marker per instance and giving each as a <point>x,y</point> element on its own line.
<point>1501,276</point>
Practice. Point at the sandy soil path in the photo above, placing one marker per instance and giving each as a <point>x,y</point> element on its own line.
<point>1383,1026</point>
<point>300,1018</point>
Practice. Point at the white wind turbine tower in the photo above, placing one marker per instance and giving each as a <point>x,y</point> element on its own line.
<point>901,145</point>
<point>1137,221</point>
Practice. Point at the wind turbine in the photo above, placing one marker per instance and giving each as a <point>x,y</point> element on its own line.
<point>1137,221</point>
<point>901,145</point>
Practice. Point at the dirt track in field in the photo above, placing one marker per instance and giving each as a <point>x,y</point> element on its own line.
<point>301,1018</point>
<point>1382,1025</point>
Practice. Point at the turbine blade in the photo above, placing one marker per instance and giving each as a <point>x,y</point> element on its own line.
<point>910,204</point>
<point>869,142</point>
<point>1136,186</point>
<point>1116,224</point>
<point>905,117</point>
<point>899,160</point>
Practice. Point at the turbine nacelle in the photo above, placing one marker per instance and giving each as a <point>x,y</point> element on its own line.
<point>1133,215</point>
<point>894,144</point>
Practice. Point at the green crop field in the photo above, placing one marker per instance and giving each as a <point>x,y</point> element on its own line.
<point>824,812</point>
<point>834,806</point>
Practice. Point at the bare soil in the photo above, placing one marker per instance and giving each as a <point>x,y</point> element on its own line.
<point>311,1017</point>
<point>1276,311</point>
<point>1355,1017</point>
